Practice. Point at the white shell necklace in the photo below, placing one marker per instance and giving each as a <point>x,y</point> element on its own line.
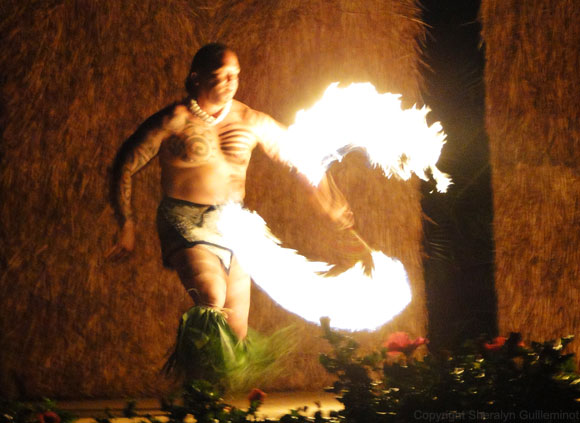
<point>197,111</point>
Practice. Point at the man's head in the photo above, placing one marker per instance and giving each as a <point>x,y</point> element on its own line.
<point>213,75</point>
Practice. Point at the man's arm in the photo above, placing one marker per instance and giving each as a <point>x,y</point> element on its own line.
<point>329,197</point>
<point>326,195</point>
<point>138,150</point>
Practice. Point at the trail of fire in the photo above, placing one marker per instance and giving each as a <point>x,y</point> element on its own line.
<point>401,143</point>
<point>352,300</point>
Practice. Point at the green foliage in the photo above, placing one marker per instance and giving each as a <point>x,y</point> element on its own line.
<point>203,401</point>
<point>45,411</point>
<point>503,379</point>
<point>481,379</point>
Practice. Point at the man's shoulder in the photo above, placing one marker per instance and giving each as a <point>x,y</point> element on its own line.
<point>246,113</point>
<point>241,108</point>
<point>169,115</point>
<point>175,110</point>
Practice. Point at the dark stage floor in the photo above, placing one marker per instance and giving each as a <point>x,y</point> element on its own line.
<point>275,405</point>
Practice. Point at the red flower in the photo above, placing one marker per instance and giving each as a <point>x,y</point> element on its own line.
<point>497,343</point>
<point>256,395</point>
<point>48,417</point>
<point>399,342</point>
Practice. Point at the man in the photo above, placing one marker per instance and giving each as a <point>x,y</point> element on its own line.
<point>204,145</point>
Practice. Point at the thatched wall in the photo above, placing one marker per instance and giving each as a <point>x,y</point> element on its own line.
<point>78,77</point>
<point>533,115</point>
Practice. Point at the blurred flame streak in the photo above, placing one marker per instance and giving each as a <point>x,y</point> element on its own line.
<point>352,300</point>
<point>399,141</point>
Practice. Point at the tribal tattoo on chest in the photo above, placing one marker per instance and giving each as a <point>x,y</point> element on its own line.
<point>196,144</point>
<point>199,144</point>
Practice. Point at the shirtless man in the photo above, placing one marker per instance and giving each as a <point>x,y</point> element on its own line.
<point>204,145</point>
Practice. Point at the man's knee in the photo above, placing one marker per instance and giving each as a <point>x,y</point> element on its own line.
<point>206,294</point>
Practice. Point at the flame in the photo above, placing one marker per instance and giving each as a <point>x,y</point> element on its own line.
<point>352,300</point>
<point>398,141</point>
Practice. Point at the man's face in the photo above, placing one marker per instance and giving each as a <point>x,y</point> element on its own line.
<point>221,85</point>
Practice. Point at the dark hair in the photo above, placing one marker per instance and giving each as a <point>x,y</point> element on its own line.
<point>206,60</point>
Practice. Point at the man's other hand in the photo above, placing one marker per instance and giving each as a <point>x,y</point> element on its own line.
<point>125,244</point>
<point>342,216</point>
<point>365,259</point>
<point>334,203</point>
<point>352,249</point>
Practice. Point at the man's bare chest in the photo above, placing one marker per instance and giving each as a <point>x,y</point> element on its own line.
<point>196,144</point>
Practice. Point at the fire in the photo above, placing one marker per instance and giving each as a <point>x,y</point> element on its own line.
<point>399,141</point>
<point>352,300</point>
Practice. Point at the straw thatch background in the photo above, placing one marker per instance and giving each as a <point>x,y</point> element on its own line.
<point>77,78</point>
<point>533,115</point>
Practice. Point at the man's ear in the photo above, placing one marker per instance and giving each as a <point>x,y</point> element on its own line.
<point>194,77</point>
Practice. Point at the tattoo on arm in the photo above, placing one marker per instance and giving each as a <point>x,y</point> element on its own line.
<point>135,153</point>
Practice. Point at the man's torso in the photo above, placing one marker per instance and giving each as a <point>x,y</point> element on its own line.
<point>207,164</point>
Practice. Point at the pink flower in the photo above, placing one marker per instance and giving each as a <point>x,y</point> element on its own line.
<point>256,395</point>
<point>399,342</point>
<point>48,417</point>
<point>496,344</point>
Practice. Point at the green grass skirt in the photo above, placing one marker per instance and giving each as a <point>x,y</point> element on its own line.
<point>208,349</point>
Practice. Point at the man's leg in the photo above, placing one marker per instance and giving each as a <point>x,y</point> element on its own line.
<point>203,276</point>
<point>238,299</point>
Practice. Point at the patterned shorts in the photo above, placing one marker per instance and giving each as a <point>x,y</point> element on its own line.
<point>182,224</point>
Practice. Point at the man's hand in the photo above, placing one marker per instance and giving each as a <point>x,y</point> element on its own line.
<point>352,249</point>
<point>342,215</point>
<point>125,244</point>
<point>333,202</point>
